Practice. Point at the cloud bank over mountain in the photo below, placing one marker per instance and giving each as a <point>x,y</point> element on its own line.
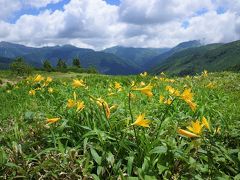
<point>99,24</point>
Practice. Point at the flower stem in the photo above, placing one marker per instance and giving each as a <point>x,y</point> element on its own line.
<point>130,111</point>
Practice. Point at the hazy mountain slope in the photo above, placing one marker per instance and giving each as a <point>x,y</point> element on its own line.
<point>11,50</point>
<point>104,62</point>
<point>138,56</point>
<point>215,57</point>
<point>154,62</point>
<point>5,62</point>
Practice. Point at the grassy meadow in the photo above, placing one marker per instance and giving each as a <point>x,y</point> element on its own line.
<point>83,126</point>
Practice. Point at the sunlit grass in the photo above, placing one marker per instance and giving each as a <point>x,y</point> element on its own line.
<point>71,126</point>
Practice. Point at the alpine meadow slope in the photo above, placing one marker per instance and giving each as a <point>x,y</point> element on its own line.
<point>213,57</point>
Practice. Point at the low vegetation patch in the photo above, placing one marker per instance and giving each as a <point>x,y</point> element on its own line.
<point>121,127</point>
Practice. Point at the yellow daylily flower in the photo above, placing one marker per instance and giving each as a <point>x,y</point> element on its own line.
<point>52,120</point>
<point>168,101</point>
<point>107,111</point>
<point>161,98</point>
<point>144,74</point>
<point>210,85</point>
<point>50,90</point>
<point>187,133</point>
<point>141,121</point>
<point>187,96</point>
<point>172,91</point>
<point>192,105</point>
<point>80,105</point>
<point>117,86</point>
<point>205,73</point>
<point>195,127</point>
<point>49,80</point>
<point>142,83</point>
<point>78,83</point>
<point>170,80</point>
<point>104,104</point>
<point>111,94</point>
<point>38,78</point>
<point>100,102</point>
<point>162,79</point>
<point>147,90</point>
<point>163,74</point>
<point>113,107</point>
<point>71,103</point>
<point>205,123</point>
<point>132,83</point>
<point>32,92</point>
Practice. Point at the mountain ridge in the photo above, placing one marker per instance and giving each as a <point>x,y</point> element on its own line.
<point>211,57</point>
<point>103,62</point>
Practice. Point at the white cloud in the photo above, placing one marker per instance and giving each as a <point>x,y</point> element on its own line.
<point>7,9</point>
<point>145,23</point>
<point>159,11</point>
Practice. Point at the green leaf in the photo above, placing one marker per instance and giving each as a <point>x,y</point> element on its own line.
<point>237,177</point>
<point>95,156</point>
<point>132,178</point>
<point>161,168</point>
<point>28,116</point>
<point>110,158</point>
<point>159,150</point>
<point>129,165</point>
<point>145,165</point>
<point>95,177</point>
<point>85,142</point>
<point>100,170</point>
<point>150,177</point>
<point>60,147</point>
<point>3,157</point>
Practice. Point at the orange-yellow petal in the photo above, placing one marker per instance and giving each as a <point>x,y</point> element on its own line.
<point>187,133</point>
<point>205,123</point>
<point>141,121</point>
<point>52,120</point>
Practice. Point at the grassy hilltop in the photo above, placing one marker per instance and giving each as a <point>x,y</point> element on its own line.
<point>73,126</point>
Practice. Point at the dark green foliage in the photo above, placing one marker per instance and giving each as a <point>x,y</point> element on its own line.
<point>91,70</point>
<point>19,67</point>
<point>61,65</point>
<point>76,62</point>
<point>47,66</point>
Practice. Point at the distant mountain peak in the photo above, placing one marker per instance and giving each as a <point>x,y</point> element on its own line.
<point>189,44</point>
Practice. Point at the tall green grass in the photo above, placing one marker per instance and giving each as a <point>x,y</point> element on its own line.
<point>88,144</point>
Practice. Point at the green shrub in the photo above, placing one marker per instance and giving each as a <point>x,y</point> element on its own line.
<point>20,67</point>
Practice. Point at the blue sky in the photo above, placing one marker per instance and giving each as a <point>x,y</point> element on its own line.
<point>52,7</point>
<point>139,23</point>
<point>113,2</point>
